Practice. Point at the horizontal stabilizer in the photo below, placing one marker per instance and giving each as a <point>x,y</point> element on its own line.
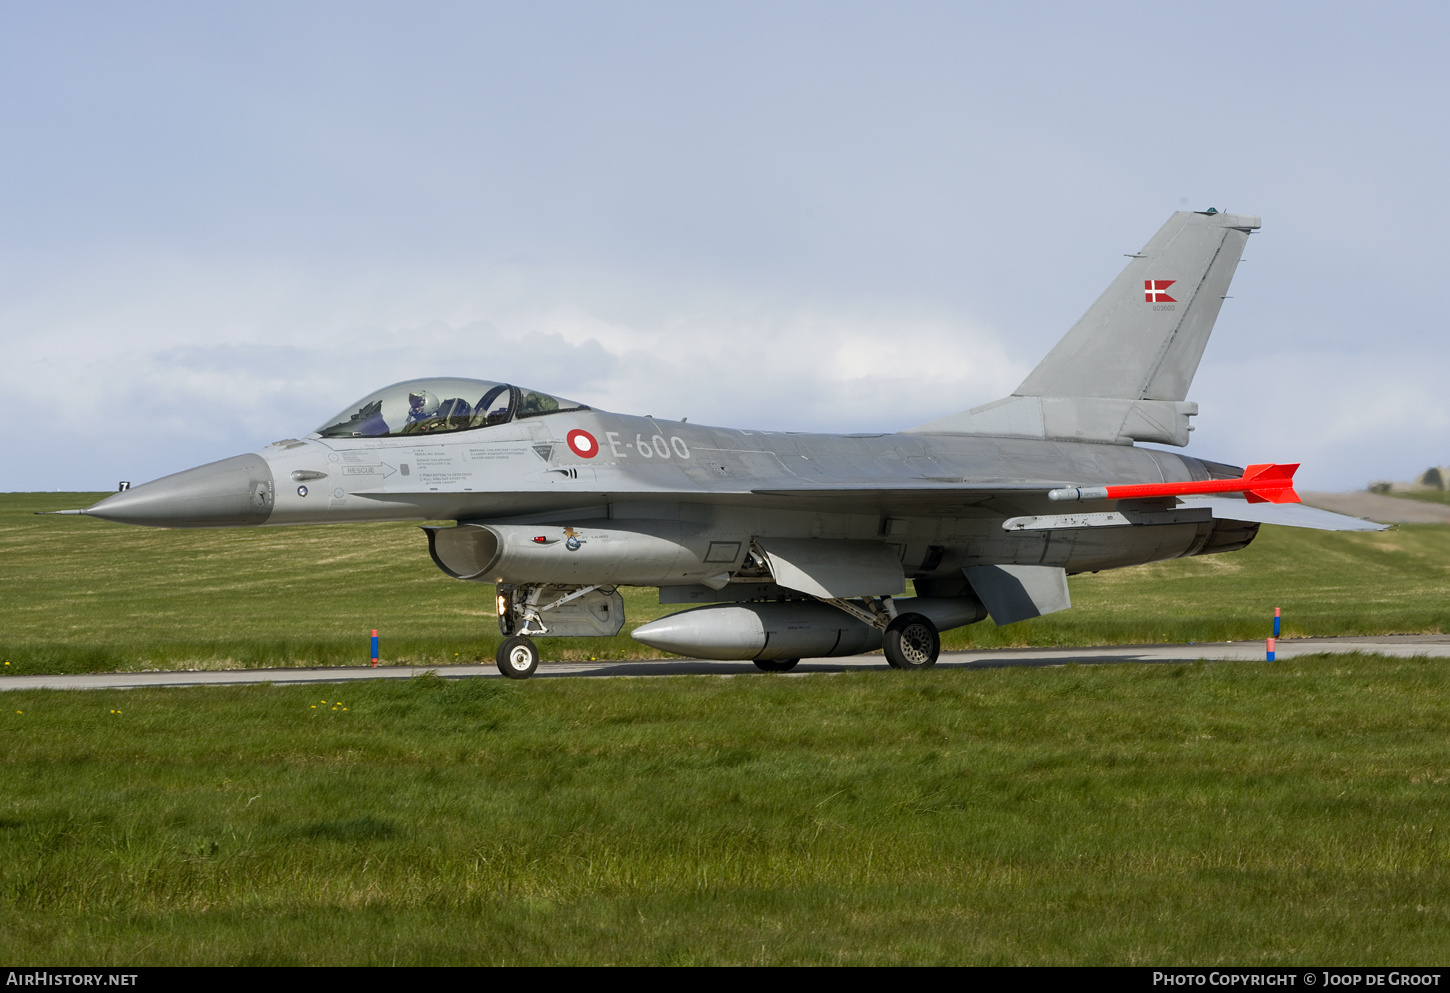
<point>1294,515</point>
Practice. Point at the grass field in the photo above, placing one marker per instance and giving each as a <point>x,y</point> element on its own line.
<point>78,594</point>
<point>1428,496</point>
<point>1232,813</point>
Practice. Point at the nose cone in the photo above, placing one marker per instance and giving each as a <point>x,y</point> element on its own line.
<point>234,492</point>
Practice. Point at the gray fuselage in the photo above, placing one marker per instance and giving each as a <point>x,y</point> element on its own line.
<point>940,500</point>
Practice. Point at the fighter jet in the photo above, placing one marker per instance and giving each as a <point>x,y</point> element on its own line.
<point>791,545</point>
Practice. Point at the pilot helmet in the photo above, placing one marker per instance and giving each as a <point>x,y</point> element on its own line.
<point>421,403</point>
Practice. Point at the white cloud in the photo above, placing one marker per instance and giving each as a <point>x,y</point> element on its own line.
<point>1349,418</point>
<point>715,211</point>
<point>173,364</point>
<point>150,368</point>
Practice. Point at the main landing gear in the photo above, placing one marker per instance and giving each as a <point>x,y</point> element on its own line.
<point>911,641</point>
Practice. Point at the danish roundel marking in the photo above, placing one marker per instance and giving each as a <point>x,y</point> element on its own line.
<point>583,444</point>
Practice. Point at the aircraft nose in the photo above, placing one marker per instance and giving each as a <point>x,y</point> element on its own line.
<point>230,493</point>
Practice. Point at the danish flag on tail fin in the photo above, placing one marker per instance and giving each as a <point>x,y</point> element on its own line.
<point>1155,290</point>
<point>1266,483</point>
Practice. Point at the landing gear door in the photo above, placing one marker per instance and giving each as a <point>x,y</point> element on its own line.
<point>595,614</point>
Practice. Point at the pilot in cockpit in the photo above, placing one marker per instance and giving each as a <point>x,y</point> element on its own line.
<point>422,406</point>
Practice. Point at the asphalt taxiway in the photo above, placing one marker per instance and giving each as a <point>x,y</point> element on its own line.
<point>1432,646</point>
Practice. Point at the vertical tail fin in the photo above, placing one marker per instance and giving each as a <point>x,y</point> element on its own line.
<point>1121,373</point>
<point>1143,337</point>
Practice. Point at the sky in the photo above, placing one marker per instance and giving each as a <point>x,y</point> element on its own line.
<point>221,223</point>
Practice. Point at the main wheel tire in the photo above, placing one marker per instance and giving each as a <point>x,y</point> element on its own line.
<point>776,665</point>
<point>517,657</point>
<point>911,642</point>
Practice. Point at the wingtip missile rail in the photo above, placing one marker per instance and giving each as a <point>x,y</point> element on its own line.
<point>1267,483</point>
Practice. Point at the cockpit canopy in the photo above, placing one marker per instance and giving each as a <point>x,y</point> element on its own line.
<point>435,406</point>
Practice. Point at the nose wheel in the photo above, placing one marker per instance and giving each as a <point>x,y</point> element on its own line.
<point>517,657</point>
<point>775,665</point>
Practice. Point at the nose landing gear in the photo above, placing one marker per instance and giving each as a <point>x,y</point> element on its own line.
<point>559,611</point>
<point>517,657</point>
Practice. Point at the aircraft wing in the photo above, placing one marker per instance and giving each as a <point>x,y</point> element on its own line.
<point>905,497</point>
<point>1264,495</point>
<point>984,488</point>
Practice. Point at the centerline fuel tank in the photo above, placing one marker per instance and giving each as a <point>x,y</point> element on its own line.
<point>789,630</point>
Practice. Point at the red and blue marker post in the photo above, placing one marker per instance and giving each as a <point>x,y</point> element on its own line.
<point>375,647</point>
<point>1269,648</point>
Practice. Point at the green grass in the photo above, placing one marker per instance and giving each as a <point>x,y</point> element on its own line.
<point>1234,813</point>
<point>1428,496</point>
<point>78,594</point>
<point>1328,584</point>
<point>1246,813</point>
<point>83,595</point>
